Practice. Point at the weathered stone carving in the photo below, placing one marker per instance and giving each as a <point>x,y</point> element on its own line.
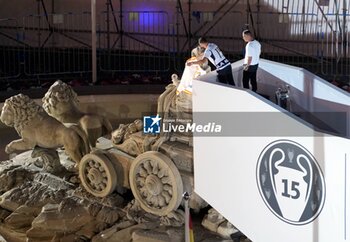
<point>48,159</point>
<point>135,213</point>
<point>159,167</point>
<point>97,174</point>
<point>119,233</point>
<point>174,218</point>
<point>44,207</point>
<point>36,128</point>
<point>156,183</point>
<point>168,98</point>
<point>125,130</point>
<point>14,175</point>
<point>71,219</point>
<point>61,102</point>
<point>39,206</point>
<point>215,222</point>
<point>129,138</point>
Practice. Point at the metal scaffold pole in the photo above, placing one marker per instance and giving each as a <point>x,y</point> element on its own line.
<point>121,23</point>
<point>93,41</point>
<point>189,25</point>
<point>107,25</point>
<point>39,23</point>
<point>345,29</point>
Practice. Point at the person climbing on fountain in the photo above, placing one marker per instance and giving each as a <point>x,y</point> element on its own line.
<point>198,52</point>
<point>215,56</point>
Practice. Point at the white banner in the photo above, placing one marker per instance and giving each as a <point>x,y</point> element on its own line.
<point>272,188</point>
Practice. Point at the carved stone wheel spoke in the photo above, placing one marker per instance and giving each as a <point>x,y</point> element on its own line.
<point>97,174</point>
<point>156,183</point>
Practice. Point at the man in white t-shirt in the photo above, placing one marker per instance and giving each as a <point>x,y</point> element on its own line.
<point>251,60</point>
<point>215,56</point>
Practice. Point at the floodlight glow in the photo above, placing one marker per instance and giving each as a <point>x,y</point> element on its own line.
<point>307,18</point>
<point>289,74</point>
<point>324,91</point>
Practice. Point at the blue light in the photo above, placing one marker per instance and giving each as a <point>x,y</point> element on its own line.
<point>147,16</point>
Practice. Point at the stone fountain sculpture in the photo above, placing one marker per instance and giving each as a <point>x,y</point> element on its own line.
<point>37,128</point>
<point>168,98</point>
<point>61,102</point>
<point>42,205</point>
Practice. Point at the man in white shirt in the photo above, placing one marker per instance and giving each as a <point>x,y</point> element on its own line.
<point>215,56</point>
<point>251,60</point>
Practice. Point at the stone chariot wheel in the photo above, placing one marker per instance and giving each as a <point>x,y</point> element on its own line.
<point>156,183</point>
<point>97,174</point>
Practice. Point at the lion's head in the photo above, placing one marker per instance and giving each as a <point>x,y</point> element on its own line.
<point>59,98</point>
<point>18,111</point>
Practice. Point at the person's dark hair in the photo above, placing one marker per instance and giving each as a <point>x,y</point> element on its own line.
<point>247,32</point>
<point>202,40</point>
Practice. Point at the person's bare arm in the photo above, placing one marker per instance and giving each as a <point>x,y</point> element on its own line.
<point>249,60</point>
<point>197,62</point>
<point>246,66</point>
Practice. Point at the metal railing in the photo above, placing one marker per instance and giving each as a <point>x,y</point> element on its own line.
<point>210,25</point>
<point>10,49</point>
<point>141,43</point>
<point>307,34</point>
<point>57,44</point>
<point>300,33</point>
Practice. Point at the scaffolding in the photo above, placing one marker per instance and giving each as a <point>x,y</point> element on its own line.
<point>308,33</point>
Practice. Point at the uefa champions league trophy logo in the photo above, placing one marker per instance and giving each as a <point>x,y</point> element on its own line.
<point>289,186</point>
<point>290,182</point>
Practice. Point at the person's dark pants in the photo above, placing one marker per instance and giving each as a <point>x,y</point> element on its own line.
<point>225,75</point>
<point>250,74</point>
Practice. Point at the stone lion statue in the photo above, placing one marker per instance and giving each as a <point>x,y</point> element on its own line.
<point>61,102</point>
<point>37,128</point>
